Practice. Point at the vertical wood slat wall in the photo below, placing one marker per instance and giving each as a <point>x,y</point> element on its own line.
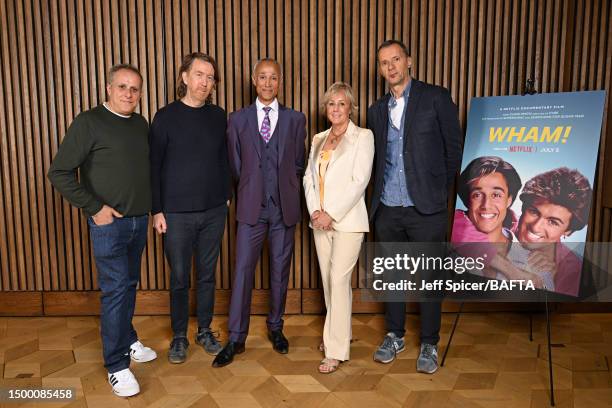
<point>54,56</point>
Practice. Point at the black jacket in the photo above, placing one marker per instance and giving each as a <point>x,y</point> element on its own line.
<point>432,146</point>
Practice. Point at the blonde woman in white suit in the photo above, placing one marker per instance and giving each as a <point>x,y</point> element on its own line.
<point>335,181</point>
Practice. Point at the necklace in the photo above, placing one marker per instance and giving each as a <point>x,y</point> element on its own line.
<point>334,137</point>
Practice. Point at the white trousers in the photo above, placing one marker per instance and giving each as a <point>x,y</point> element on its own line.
<point>338,253</point>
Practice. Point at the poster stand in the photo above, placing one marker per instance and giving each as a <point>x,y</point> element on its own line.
<point>529,90</point>
<point>550,369</point>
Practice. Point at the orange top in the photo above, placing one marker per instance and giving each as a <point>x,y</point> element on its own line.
<point>324,159</point>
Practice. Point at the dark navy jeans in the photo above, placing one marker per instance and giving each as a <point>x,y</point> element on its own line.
<point>118,250</point>
<point>193,234</point>
<point>406,224</point>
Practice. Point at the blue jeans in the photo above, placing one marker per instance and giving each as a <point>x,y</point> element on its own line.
<point>200,234</point>
<point>118,250</point>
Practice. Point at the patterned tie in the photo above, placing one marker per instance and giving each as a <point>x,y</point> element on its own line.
<point>265,130</point>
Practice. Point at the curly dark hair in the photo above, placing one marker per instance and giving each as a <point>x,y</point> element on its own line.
<point>564,187</point>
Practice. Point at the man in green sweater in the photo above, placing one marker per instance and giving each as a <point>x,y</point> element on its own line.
<point>109,145</point>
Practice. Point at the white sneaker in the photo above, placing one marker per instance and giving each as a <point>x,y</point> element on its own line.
<point>142,354</point>
<point>124,383</point>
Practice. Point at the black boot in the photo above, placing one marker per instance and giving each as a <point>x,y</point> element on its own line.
<point>280,343</point>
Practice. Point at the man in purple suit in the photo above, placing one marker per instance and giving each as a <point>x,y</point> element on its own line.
<point>266,150</point>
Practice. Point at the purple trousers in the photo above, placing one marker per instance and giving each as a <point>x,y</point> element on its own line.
<point>249,241</point>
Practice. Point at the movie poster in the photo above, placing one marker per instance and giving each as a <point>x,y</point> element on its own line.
<point>526,185</point>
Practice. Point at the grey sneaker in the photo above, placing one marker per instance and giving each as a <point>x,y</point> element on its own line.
<point>390,347</point>
<point>428,359</point>
<point>208,340</point>
<point>178,350</point>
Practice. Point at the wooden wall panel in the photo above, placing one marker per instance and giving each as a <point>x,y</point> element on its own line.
<point>54,55</point>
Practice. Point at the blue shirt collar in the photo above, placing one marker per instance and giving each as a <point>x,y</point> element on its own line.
<point>405,94</point>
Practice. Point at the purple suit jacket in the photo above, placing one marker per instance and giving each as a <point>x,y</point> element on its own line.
<point>245,161</point>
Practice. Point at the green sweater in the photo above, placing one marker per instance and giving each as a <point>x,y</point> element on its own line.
<point>112,154</point>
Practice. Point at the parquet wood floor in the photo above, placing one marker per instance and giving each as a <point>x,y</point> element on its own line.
<point>491,363</point>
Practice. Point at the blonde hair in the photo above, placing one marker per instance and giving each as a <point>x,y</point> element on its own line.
<point>334,89</point>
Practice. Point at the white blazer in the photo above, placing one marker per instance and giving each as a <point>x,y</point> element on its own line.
<point>346,179</point>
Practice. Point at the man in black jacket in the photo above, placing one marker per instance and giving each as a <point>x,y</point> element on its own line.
<point>191,188</point>
<point>418,152</point>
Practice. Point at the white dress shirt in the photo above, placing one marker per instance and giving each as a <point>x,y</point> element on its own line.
<point>397,111</point>
<point>261,114</point>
